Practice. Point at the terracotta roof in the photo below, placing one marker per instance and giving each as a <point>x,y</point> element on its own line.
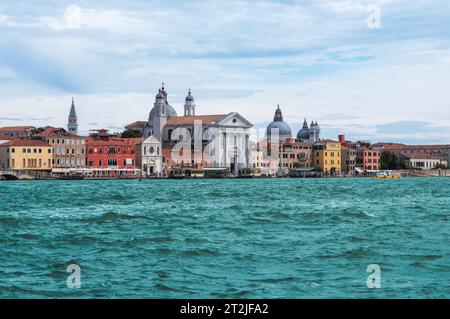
<point>15,128</point>
<point>422,156</point>
<point>57,132</point>
<point>113,141</point>
<point>22,142</point>
<point>328,141</point>
<point>189,120</point>
<point>395,146</point>
<point>140,124</point>
<point>6,137</point>
<point>134,140</point>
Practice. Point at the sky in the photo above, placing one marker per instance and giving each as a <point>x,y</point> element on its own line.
<point>373,70</point>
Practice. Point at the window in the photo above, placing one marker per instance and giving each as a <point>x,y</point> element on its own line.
<point>151,150</point>
<point>13,150</point>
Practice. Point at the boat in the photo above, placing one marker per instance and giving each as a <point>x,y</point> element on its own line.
<point>387,174</point>
<point>249,172</point>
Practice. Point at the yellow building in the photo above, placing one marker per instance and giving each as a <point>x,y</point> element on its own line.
<point>327,157</point>
<point>26,155</point>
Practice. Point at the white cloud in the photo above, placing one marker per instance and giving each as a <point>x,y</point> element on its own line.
<point>76,17</point>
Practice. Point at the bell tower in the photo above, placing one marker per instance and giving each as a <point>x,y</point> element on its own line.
<point>189,106</point>
<point>72,125</point>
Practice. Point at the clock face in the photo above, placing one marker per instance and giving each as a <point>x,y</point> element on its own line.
<point>151,150</point>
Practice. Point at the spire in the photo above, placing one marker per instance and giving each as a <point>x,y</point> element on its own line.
<point>163,91</point>
<point>72,125</point>
<point>278,115</point>
<point>305,124</point>
<point>73,112</point>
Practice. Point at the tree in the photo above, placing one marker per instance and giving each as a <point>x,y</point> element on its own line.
<point>391,161</point>
<point>131,134</point>
<point>333,171</point>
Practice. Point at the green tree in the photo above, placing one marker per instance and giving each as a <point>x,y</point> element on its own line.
<point>441,166</point>
<point>131,134</point>
<point>391,161</point>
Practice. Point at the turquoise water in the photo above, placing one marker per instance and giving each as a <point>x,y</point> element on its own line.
<point>278,238</point>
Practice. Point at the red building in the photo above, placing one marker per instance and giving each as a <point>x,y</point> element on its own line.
<point>368,157</point>
<point>111,156</point>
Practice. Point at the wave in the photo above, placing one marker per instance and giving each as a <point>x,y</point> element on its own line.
<point>200,252</point>
<point>111,216</point>
<point>9,221</point>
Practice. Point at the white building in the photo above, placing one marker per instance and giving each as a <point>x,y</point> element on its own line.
<point>149,157</point>
<point>199,141</point>
<point>423,160</point>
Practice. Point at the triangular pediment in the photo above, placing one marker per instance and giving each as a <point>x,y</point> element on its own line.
<point>234,119</point>
<point>151,140</point>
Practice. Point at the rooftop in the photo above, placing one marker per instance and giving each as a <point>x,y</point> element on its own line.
<point>22,142</point>
<point>6,137</point>
<point>422,156</point>
<point>15,128</point>
<point>189,120</point>
<point>139,124</point>
<point>397,146</point>
<point>113,141</point>
<point>57,132</point>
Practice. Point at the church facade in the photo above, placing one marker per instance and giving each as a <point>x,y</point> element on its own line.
<point>198,141</point>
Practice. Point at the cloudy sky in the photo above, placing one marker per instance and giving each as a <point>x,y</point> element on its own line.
<point>318,59</point>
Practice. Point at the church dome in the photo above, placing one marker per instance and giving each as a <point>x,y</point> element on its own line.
<point>161,98</point>
<point>189,97</point>
<point>170,111</point>
<point>284,131</point>
<point>303,134</point>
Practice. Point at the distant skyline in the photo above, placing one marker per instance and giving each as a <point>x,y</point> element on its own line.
<point>317,59</point>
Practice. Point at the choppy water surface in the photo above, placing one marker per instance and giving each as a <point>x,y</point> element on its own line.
<point>275,238</point>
